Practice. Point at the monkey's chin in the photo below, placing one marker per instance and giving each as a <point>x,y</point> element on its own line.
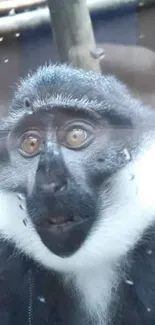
<point>66,238</point>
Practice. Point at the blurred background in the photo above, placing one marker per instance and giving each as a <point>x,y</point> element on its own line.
<point>125,29</point>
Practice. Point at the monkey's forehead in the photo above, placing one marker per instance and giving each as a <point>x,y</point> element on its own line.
<point>51,80</point>
<point>63,84</point>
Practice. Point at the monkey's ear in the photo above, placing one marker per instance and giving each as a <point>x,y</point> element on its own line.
<point>27,102</point>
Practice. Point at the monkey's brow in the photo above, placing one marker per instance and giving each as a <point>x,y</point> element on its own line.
<point>83,106</point>
<point>69,110</point>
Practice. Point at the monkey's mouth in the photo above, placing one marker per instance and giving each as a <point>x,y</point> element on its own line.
<point>59,223</point>
<point>63,235</point>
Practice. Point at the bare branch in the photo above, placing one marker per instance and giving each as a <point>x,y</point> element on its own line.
<point>24,21</point>
<point>73,32</point>
<point>93,5</point>
<point>6,6</point>
<point>35,18</point>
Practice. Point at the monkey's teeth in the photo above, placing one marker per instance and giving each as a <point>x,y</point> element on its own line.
<point>58,220</point>
<point>61,220</point>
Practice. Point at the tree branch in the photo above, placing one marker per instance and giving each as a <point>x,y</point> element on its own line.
<point>73,33</point>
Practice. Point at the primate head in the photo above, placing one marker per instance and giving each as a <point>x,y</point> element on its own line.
<point>77,175</point>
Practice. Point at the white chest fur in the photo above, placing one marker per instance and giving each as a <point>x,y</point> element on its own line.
<point>96,289</point>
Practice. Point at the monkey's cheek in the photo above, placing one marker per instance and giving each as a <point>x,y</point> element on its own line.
<point>65,240</point>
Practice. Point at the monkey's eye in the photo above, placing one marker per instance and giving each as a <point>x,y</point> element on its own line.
<point>30,144</point>
<point>75,138</point>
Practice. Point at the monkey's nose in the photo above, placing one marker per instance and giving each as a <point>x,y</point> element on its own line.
<point>54,187</point>
<point>51,174</point>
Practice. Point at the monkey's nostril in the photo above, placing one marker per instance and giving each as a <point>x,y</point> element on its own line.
<point>54,187</point>
<point>63,187</point>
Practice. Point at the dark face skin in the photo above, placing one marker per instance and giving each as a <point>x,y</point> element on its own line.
<point>62,204</point>
<point>66,151</point>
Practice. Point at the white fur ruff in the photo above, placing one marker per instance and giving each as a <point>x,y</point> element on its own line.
<point>130,211</point>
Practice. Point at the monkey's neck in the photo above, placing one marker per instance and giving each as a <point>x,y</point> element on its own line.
<point>96,288</point>
<point>86,296</point>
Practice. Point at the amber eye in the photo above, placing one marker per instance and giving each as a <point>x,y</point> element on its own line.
<point>30,145</point>
<point>76,137</point>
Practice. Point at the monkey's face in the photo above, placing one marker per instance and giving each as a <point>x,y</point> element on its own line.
<point>79,149</point>
<point>58,154</point>
<point>62,191</point>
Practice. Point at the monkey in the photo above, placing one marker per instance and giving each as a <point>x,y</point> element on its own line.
<point>77,203</point>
